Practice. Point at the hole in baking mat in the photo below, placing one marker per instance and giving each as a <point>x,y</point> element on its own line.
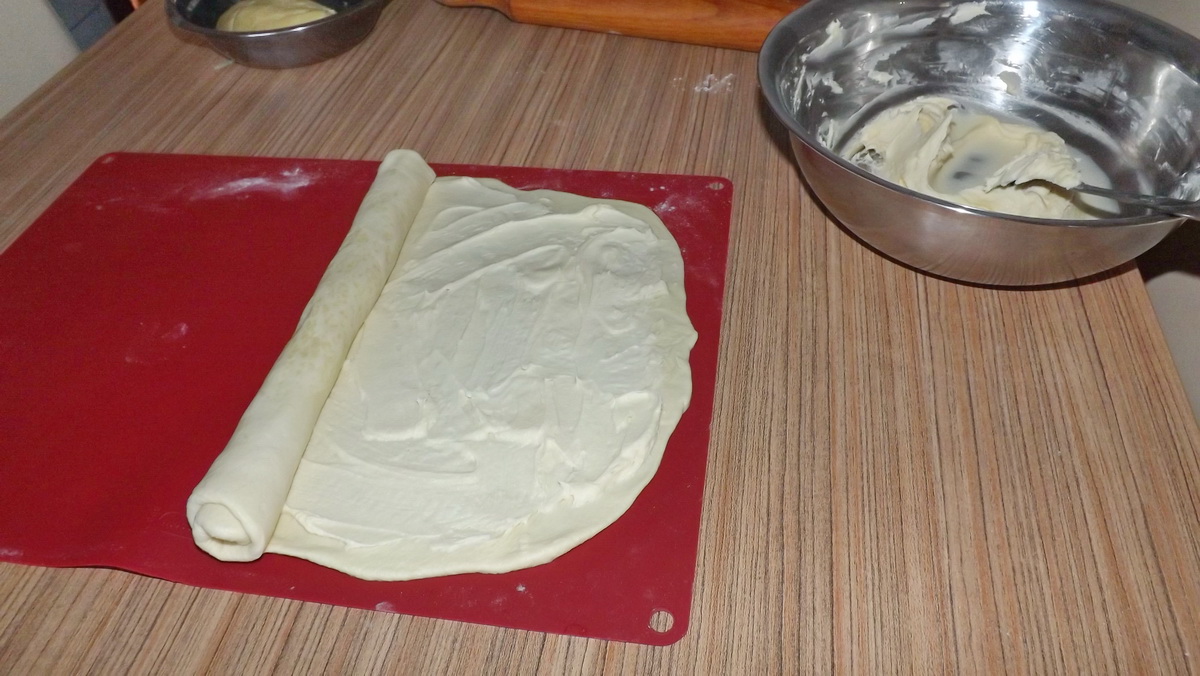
<point>716,186</point>
<point>662,621</point>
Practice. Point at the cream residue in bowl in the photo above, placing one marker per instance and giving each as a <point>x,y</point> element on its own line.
<point>937,146</point>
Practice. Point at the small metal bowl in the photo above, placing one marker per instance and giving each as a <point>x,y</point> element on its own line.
<point>283,47</point>
<point>1117,85</point>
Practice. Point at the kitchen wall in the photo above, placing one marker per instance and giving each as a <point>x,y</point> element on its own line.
<point>34,45</point>
<point>38,37</point>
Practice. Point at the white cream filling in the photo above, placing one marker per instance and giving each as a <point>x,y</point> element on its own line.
<point>935,146</point>
<point>509,395</point>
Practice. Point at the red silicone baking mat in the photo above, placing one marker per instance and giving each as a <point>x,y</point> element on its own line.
<point>140,313</point>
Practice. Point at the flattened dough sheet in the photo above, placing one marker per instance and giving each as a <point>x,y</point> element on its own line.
<point>563,396</point>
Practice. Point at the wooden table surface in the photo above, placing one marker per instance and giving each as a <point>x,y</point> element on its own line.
<point>905,473</point>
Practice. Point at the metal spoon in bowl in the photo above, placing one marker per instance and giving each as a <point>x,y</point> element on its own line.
<point>1031,171</point>
<point>1169,205</point>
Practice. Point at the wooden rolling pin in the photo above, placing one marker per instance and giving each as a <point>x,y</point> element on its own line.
<point>735,24</point>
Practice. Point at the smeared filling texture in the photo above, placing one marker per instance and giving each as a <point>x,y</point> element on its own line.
<point>935,146</point>
<point>509,395</point>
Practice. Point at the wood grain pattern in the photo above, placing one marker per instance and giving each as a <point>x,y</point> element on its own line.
<point>906,474</point>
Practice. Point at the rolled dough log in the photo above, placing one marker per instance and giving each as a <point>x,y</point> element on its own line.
<point>234,509</point>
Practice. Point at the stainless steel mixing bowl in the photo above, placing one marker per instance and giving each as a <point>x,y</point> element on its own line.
<point>284,47</point>
<point>1117,85</point>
